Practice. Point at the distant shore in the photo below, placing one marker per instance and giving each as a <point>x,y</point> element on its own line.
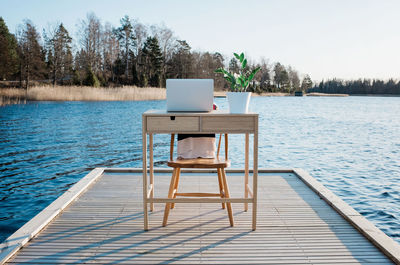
<point>281,94</point>
<point>126,93</point>
<point>315,94</point>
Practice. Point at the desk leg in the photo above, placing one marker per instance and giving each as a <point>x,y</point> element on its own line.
<point>144,157</point>
<point>255,175</point>
<point>151,170</point>
<point>246,171</point>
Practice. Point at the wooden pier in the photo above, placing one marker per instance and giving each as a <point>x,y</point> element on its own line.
<point>100,221</point>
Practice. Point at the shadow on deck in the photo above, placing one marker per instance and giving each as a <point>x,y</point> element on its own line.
<point>294,226</point>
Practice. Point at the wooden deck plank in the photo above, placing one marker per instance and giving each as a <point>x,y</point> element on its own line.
<point>294,226</point>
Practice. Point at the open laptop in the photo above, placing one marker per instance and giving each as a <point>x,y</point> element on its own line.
<point>190,94</point>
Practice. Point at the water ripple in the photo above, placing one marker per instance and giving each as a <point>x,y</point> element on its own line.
<point>349,144</point>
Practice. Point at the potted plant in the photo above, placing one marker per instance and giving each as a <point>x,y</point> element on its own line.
<point>239,98</point>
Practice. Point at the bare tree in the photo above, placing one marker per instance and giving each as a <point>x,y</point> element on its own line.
<point>166,40</point>
<point>90,33</point>
<point>281,77</point>
<point>141,34</point>
<point>204,65</point>
<point>293,79</point>
<point>181,63</point>
<point>111,50</point>
<point>265,75</point>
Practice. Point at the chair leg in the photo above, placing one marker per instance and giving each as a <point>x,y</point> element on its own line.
<point>170,192</point>
<point>221,188</point>
<point>178,174</point>
<point>226,189</point>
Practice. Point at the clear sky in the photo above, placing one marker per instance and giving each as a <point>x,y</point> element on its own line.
<point>324,38</point>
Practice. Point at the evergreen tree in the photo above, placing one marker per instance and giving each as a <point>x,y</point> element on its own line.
<point>306,84</point>
<point>8,52</point>
<point>125,35</point>
<point>31,54</point>
<point>153,61</point>
<point>118,69</point>
<point>91,79</point>
<point>59,56</point>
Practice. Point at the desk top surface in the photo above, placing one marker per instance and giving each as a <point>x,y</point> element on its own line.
<point>163,112</point>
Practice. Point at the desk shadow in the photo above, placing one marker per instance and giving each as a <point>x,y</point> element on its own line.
<point>72,254</point>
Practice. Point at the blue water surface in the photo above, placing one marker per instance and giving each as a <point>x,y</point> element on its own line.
<point>350,144</point>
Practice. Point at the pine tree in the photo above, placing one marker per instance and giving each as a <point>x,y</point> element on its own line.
<point>306,84</point>
<point>31,54</point>
<point>8,52</point>
<point>127,40</point>
<point>59,56</point>
<point>153,60</point>
<point>91,79</point>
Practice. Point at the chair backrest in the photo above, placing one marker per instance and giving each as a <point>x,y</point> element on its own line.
<point>171,150</point>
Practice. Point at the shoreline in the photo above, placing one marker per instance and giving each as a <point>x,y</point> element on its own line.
<point>9,96</point>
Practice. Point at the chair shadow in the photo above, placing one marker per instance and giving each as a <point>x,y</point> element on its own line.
<point>58,257</point>
<point>91,227</point>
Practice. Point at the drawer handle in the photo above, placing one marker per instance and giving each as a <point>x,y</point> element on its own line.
<point>172,118</point>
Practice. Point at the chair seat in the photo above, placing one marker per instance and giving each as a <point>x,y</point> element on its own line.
<point>199,163</point>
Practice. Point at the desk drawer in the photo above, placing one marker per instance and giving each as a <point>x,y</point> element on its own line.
<point>173,124</point>
<point>228,124</point>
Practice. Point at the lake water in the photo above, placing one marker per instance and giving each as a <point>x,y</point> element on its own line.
<point>350,144</point>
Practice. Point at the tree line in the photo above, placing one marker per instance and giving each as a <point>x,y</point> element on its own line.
<point>358,87</point>
<point>135,54</point>
<point>129,54</point>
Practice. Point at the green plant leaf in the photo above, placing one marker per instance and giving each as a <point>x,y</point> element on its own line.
<point>251,76</point>
<point>241,57</point>
<point>227,78</point>
<point>230,75</point>
<point>244,63</point>
<point>253,73</point>
<point>219,70</point>
<point>241,79</point>
<point>233,79</point>
<point>236,55</point>
<point>226,72</point>
<point>256,70</point>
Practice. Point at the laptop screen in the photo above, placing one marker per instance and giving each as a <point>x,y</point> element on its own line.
<point>190,94</point>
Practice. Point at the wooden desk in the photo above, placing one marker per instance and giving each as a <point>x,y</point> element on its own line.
<point>217,121</point>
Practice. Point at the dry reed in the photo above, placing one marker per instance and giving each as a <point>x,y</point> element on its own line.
<point>10,96</point>
<point>78,93</point>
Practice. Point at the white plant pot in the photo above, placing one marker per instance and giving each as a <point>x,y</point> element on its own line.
<point>238,101</point>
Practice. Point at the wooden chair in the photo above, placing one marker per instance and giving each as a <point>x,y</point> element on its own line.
<point>219,164</point>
